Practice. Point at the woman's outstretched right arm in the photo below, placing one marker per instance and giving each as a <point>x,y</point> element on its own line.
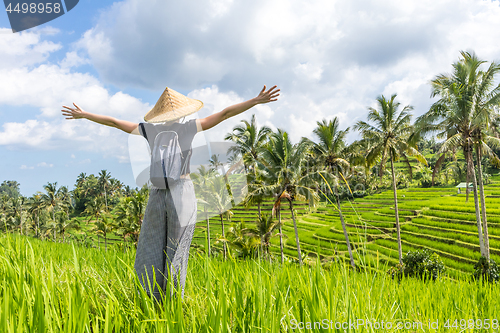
<point>78,113</point>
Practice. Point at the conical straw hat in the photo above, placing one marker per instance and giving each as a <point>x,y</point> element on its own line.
<point>172,106</point>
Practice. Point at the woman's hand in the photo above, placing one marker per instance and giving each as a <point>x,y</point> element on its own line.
<point>75,113</point>
<point>264,96</point>
<point>267,96</point>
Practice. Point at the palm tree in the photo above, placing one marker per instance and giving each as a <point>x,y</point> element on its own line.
<point>330,152</point>
<point>17,204</point>
<point>389,138</point>
<point>115,187</point>
<point>94,209</point>
<point>130,213</point>
<point>4,206</point>
<point>35,207</point>
<point>104,227</point>
<point>358,158</point>
<point>49,228</point>
<point>214,193</point>
<point>64,224</point>
<point>285,175</point>
<point>215,163</point>
<point>81,179</point>
<point>255,195</point>
<point>127,191</point>
<point>200,179</point>
<point>51,201</point>
<point>463,115</point>
<point>249,140</point>
<point>264,231</point>
<point>482,147</point>
<point>331,148</point>
<point>242,239</point>
<point>104,180</point>
<point>487,101</point>
<point>9,213</point>
<point>66,201</point>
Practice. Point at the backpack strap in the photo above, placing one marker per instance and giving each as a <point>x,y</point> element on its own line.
<point>141,125</point>
<point>184,166</point>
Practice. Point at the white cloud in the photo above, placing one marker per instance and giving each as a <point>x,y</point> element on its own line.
<point>308,71</point>
<point>329,57</point>
<point>84,161</point>
<point>45,87</point>
<point>300,127</point>
<point>39,165</point>
<point>73,59</point>
<point>32,133</point>
<point>24,49</point>
<point>215,101</point>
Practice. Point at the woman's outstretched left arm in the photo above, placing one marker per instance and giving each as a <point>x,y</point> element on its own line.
<point>264,96</point>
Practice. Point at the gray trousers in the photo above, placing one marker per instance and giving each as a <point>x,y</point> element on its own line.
<point>165,238</point>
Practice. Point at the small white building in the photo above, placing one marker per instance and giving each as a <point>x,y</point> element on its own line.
<point>463,185</point>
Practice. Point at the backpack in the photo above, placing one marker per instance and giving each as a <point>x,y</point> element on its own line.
<point>166,159</point>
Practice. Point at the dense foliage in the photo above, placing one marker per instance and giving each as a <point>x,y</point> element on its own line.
<point>421,264</point>
<point>487,270</point>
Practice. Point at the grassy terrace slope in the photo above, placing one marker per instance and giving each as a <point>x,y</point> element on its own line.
<point>53,287</point>
<point>434,218</point>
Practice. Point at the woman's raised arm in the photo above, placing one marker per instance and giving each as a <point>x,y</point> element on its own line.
<point>264,96</point>
<point>78,113</point>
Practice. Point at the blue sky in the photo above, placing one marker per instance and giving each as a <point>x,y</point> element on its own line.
<point>330,58</point>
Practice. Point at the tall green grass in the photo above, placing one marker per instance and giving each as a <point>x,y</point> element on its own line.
<point>49,287</point>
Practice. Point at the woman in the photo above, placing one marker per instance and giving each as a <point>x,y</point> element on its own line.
<point>169,220</point>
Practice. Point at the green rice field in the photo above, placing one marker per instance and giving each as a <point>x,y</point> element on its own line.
<point>438,219</point>
<point>61,287</point>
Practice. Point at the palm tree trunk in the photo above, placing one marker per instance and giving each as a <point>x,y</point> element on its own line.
<point>21,219</point>
<point>471,172</point>
<point>208,229</point>
<point>223,235</point>
<point>281,235</point>
<point>345,233</point>
<point>258,205</point>
<point>296,233</point>
<point>467,180</point>
<point>54,219</point>
<point>398,229</point>
<point>437,166</point>
<point>105,198</point>
<point>483,203</point>
<point>37,225</point>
